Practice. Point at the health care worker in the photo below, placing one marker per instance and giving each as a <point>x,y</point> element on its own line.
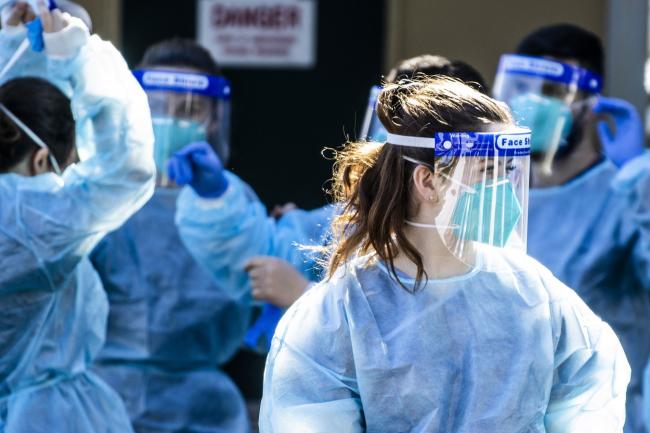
<point>432,317</point>
<point>590,196</point>
<point>172,323</point>
<point>53,210</point>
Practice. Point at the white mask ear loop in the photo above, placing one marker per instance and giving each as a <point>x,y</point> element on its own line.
<point>433,226</point>
<point>35,138</point>
<point>430,226</point>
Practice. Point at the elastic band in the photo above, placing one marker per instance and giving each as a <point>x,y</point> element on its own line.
<point>405,140</point>
<point>35,138</point>
<point>429,226</point>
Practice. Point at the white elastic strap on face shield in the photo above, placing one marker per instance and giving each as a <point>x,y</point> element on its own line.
<point>405,140</point>
<point>35,138</point>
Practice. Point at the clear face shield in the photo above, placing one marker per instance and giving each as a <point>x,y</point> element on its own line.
<point>186,107</point>
<point>482,182</point>
<point>546,96</point>
<point>372,129</point>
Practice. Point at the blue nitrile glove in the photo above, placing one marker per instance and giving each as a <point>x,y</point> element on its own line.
<point>35,28</point>
<point>35,34</point>
<point>198,166</point>
<point>627,143</point>
<point>260,335</point>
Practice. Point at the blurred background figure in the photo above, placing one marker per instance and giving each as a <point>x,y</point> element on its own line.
<point>171,324</point>
<point>590,196</point>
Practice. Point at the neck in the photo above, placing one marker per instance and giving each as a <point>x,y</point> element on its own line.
<point>584,156</point>
<point>438,261</point>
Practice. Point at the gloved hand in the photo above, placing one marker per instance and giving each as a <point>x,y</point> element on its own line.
<point>198,166</point>
<point>35,28</point>
<point>627,142</point>
<point>260,335</point>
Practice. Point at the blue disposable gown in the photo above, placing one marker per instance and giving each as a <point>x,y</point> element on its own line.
<point>170,326</point>
<point>224,234</point>
<point>54,308</point>
<point>31,63</point>
<point>507,348</point>
<point>593,233</point>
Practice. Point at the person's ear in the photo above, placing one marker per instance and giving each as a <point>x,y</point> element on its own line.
<point>424,185</point>
<point>40,162</point>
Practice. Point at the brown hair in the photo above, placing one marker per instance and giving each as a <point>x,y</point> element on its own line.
<point>431,65</point>
<point>374,182</point>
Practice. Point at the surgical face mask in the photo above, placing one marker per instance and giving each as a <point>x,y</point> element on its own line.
<point>549,118</point>
<point>171,135</point>
<point>488,213</point>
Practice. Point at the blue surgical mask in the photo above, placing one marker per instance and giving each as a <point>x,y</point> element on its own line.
<point>543,114</point>
<point>171,135</point>
<point>473,218</point>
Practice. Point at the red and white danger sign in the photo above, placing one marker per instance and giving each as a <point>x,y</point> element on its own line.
<point>259,33</point>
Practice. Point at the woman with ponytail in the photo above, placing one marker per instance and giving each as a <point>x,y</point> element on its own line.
<point>433,318</point>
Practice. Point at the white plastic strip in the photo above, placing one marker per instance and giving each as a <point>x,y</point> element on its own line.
<point>405,140</point>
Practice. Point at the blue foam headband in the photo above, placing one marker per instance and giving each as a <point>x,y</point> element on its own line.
<point>551,70</point>
<point>184,82</point>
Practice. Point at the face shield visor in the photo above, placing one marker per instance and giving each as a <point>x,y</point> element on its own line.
<point>546,96</point>
<point>372,129</point>
<point>186,107</point>
<point>481,181</point>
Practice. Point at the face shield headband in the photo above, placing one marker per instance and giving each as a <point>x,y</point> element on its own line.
<point>184,82</point>
<point>510,143</point>
<point>551,70</point>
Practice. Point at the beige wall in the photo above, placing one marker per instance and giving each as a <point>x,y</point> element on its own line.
<point>107,18</point>
<point>478,31</point>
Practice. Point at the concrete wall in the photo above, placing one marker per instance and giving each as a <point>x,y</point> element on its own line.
<point>627,43</point>
<point>107,18</point>
<point>479,31</point>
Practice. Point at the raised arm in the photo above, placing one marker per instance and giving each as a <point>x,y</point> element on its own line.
<point>58,220</point>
